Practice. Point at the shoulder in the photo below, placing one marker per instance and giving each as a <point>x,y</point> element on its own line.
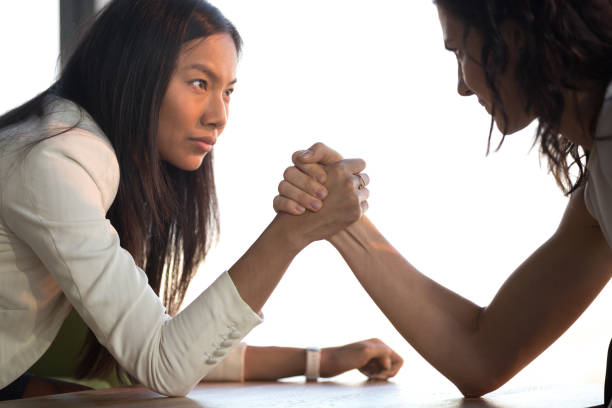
<point>600,162</point>
<point>604,122</point>
<point>70,146</point>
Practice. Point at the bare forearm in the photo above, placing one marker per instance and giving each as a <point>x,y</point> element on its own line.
<point>259,270</point>
<point>479,349</point>
<point>439,323</point>
<point>272,363</point>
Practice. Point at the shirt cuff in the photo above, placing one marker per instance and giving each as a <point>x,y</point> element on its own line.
<point>230,369</point>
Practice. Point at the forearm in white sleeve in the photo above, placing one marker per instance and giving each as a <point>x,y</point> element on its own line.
<point>56,201</point>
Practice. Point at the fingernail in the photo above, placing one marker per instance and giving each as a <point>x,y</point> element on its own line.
<point>320,194</point>
<point>300,208</point>
<point>315,204</point>
<point>306,153</point>
<point>320,178</point>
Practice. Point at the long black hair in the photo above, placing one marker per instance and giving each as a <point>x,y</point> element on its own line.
<point>566,42</point>
<point>165,217</point>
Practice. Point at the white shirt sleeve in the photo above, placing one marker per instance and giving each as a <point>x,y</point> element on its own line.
<point>231,368</point>
<point>56,201</point>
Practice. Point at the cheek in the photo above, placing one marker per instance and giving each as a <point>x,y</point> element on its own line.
<point>474,78</point>
<point>169,131</point>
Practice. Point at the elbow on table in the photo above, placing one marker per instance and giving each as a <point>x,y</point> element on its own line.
<point>175,390</point>
<point>170,384</point>
<point>484,381</point>
<point>477,390</point>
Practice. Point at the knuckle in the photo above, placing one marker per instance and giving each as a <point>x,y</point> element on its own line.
<point>339,169</point>
<point>276,203</point>
<point>303,197</point>
<point>311,185</point>
<point>288,171</point>
<point>334,171</point>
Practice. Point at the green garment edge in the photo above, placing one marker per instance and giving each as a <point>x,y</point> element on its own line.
<point>60,360</point>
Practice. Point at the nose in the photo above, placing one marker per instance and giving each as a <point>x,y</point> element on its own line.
<point>462,88</point>
<point>215,114</point>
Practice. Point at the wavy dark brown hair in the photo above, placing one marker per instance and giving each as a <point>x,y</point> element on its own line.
<point>165,217</point>
<point>566,43</point>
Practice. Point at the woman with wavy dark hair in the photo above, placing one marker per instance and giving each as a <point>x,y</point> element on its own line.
<point>546,60</point>
<point>108,206</point>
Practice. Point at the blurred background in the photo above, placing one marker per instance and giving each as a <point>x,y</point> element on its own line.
<point>371,80</point>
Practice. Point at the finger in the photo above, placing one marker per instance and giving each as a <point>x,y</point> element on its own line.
<point>359,180</point>
<point>284,205</point>
<point>363,194</point>
<point>384,374</point>
<point>395,362</point>
<point>398,362</point>
<point>314,170</point>
<point>386,362</point>
<point>372,367</point>
<point>317,153</point>
<point>364,206</point>
<point>354,166</point>
<point>305,183</point>
<point>395,368</point>
<point>364,178</point>
<point>293,193</point>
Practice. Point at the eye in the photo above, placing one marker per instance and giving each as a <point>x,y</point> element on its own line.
<point>229,92</point>
<point>200,83</point>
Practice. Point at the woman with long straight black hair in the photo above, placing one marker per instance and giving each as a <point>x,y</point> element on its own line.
<point>108,206</point>
<point>549,60</point>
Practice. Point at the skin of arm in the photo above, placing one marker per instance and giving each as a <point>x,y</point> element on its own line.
<point>259,270</point>
<point>480,348</point>
<point>372,357</point>
<point>477,348</point>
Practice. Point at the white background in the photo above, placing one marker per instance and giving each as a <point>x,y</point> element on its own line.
<point>372,82</point>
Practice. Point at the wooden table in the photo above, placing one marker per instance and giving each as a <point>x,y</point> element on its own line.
<point>322,394</point>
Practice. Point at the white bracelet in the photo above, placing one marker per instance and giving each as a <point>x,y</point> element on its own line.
<point>313,363</point>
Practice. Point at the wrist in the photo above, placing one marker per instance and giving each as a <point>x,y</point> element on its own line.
<point>349,235</point>
<point>312,370</point>
<point>289,232</point>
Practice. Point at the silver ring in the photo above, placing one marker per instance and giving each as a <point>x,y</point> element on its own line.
<point>362,183</point>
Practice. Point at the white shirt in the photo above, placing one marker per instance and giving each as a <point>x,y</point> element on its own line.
<point>598,191</point>
<point>58,250</point>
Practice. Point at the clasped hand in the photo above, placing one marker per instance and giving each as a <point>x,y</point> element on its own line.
<point>372,357</point>
<point>319,173</point>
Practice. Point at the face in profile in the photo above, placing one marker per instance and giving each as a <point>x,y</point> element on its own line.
<point>194,109</point>
<point>471,75</point>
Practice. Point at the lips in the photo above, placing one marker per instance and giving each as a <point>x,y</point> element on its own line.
<point>208,140</point>
<point>204,144</point>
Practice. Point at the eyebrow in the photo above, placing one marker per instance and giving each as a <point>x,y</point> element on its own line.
<point>204,69</point>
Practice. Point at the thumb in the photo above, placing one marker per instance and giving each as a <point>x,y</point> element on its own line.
<point>317,153</point>
<point>386,362</point>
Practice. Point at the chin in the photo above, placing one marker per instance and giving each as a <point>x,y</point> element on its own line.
<point>188,164</point>
<point>513,127</point>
